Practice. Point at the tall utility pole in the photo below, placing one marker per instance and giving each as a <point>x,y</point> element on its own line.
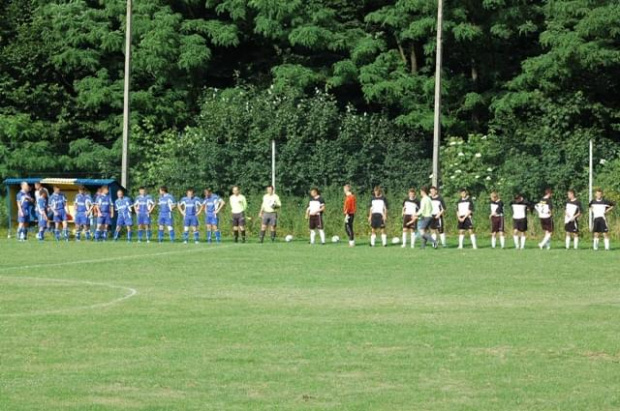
<point>437,126</point>
<point>126,120</point>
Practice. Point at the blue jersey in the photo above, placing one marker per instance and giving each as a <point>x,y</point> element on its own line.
<point>143,203</point>
<point>104,203</point>
<point>25,201</point>
<point>58,201</point>
<point>83,203</point>
<point>192,205</point>
<point>166,202</point>
<point>42,206</point>
<point>123,206</point>
<point>211,203</point>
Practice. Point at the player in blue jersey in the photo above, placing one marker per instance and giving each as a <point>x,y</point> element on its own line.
<point>123,206</point>
<point>24,203</point>
<point>166,204</point>
<point>190,207</point>
<point>144,206</point>
<point>83,205</point>
<point>58,205</point>
<point>104,210</point>
<point>42,213</point>
<point>212,205</point>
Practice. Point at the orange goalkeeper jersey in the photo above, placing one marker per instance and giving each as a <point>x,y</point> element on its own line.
<point>350,204</point>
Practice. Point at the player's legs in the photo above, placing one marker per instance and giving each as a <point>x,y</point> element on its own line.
<point>348,228</point>
<point>472,237</point>
<point>461,238</point>
<point>383,237</point>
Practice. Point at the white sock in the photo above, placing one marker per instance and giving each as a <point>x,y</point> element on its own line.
<point>576,240</point>
<point>434,236</point>
<point>461,239</point>
<point>547,239</point>
<point>493,242</point>
<point>384,239</point>
<point>404,239</point>
<point>502,241</point>
<point>413,235</point>
<point>373,238</point>
<point>522,242</point>
<point>322,234</point>
<point>312,236</point>
<point>443,239</point>
<point>606,241</point>
<point>595,244</point>
<point>516,240</point>
<point>472,237</point>
<point>567,242</point>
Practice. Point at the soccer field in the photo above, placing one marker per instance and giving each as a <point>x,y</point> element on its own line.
<point>111,326</point>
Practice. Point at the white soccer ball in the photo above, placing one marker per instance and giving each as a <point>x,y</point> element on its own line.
<point>395,240</point>
<point>335,239</point>
<point>288,238</point>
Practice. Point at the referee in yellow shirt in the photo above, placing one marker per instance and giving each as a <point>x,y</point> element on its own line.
<point>269,213</point>
<point>238,205</point>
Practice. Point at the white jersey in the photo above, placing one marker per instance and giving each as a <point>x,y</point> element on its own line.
<point>543,208</point>
<point>315,204</point>
<point>599,207</point>
<point>411,207</point>
<point>572,209</point>
<point>378,205</point>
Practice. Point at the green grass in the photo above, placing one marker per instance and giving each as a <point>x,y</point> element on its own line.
<point>294,327</point>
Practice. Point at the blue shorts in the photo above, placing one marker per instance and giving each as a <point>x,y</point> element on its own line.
<point>42,223</point>
<point>60,216</point>
<point>211,219</point>
<point>124,220</point>
<point>23,218</point>
<point>82,219</point>
<point>165,220</point>
<point>144,219</point>
<point>190,221</point>
<point>104,219</point>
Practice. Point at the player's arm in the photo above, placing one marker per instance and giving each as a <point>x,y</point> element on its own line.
<point>278,202</point>
<point>384,214</point>
<point>150,206</point>
<point>20,212</point>
<point>220,205</point>
<point>611,207</point>
<point>200,207</point>
<point>181,207</point>
<point>307,212</point>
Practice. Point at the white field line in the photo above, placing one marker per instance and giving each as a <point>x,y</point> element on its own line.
<point>104,260</point>
<point>130,292</point>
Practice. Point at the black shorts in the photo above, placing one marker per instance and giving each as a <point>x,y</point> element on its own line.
<point>520,224</point>
<point>316,222</point>
<point>437,224</point>
<point>547,224</point>
<point>599,225</point>
<point>376,221</point>
<point>466,224</point>
<point>238,220</point>
<point>571,227</point>
<point>409,222</point>
<point>497,224</point>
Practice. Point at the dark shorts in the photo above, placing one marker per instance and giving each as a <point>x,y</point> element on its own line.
<point>376,221</point>
<point>409,222</point>
<point>599,225</point>
<point>437,224</point>
<point>270,219</point>
<point>238,220</point>
<point>571,227</point>
<point>497,224</point>
<point>466,224</point>
<point>547,224</point>
<point>520,224</point>
<point>316,222</point>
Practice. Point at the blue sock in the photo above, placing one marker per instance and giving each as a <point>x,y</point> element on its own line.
<point>140,234</point>
<point>88,234</point>
<point>105,235</point>
<point>160,235</point>
<point>171,235</point>
<point>196,235</point>
<point>218,236</point>
<point>57,234</point>
<point>42,235</point>
<point>209,236</point>
<point>116,234</point>
<point>78,235</point>
<point>185,235</point>
<point>149,234</point>
<point>97,235</point>
<point>65,234</point>
<point>129,235</point>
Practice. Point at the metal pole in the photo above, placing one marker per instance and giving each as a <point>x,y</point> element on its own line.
<point>591,181</point>
<point>126,119</point>
<point>273,164</point>
<point>437,125</point>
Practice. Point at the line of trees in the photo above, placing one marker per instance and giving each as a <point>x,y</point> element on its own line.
<point>344,86</point>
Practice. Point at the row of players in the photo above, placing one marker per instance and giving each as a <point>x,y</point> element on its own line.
<point>423,217</point>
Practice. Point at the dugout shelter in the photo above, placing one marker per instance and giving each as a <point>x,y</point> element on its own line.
<point>69,187</point>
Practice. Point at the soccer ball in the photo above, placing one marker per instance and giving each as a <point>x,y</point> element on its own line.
<point>395,240</point>
<point>288,238</point>
<point>335,239</point>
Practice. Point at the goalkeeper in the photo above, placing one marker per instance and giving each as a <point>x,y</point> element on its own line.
<point>269,213</point>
